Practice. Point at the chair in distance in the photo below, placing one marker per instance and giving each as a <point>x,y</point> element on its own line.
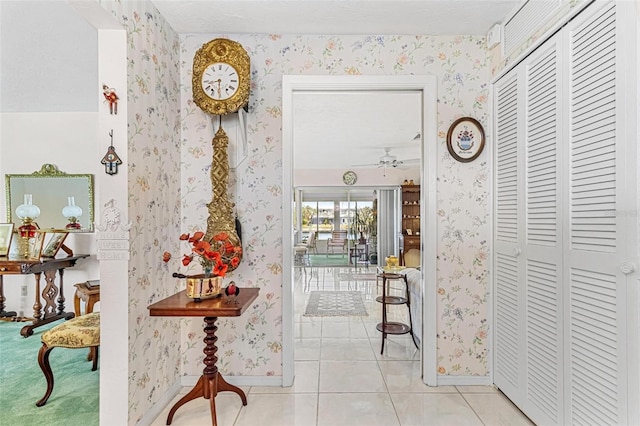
<point>304,249</point>
<point>410,258</point>
<point>338,241</point>
<point>311,243</point>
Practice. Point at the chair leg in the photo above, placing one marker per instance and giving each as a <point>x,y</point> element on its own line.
<point>94,354</point>
<point>43,360</point>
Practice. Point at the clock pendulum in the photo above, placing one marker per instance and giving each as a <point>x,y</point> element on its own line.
<point>221,217</point>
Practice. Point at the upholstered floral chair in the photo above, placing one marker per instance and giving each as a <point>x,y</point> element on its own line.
<point>79,332</point>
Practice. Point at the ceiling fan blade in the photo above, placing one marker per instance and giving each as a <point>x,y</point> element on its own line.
<point>366,165</point>
<point>411,160</point>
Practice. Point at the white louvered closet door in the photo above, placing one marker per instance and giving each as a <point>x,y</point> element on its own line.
<point>508,300</point>
<point>528,243</point>
<point>596,291</point>
<point>566,236</point>
<point>543,233</point>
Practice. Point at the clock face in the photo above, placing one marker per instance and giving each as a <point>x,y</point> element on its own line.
<point>349,178</point>
<point>220,81</point>
<point>221,77</point>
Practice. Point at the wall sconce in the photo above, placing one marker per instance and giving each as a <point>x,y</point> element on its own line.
<point>72,213</point>
<point>28,212</point>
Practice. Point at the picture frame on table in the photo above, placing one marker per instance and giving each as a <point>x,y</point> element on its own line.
<point>14,248</point>
<point>6,234</point>
<point>465,139</point>
<point>409,232</point>
<point>53,242</point>
<point>35,245</point>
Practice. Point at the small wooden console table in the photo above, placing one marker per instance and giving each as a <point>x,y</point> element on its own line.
<point>211,382</point>
<point>393,327</point>
<point>49,312</point>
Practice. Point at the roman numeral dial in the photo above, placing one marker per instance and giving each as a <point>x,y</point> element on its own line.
<point>220,81</point>
<point>221,78</point>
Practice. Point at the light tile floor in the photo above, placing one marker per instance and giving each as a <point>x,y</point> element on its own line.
<point>341,378</point>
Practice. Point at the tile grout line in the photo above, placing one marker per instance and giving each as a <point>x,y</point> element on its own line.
<point>469,405</point>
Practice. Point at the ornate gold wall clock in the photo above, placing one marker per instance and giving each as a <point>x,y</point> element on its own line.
<point>220,85</point>
<point>221,76</point>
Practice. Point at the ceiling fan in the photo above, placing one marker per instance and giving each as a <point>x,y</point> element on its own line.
<point>389,161</point>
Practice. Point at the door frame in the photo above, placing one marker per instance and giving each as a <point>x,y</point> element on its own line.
<point>427,85</point>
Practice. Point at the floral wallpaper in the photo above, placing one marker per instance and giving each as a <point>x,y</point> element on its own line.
<point>170,153</point>
<point>153,95</point>
<point>252,344</point>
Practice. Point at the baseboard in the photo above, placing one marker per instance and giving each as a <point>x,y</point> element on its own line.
<point>239,380</point>
<point>161,404</point>
<point>464,381</point>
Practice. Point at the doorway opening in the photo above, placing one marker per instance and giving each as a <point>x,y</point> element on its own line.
<point>425,86</point>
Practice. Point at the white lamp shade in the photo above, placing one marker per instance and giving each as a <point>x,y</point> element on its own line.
<point>71,210</point>
<point>28,209</point>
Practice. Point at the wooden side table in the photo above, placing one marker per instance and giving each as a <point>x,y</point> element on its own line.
<point>53,308</point>
<point>211,382</point>
<point>89,295</point>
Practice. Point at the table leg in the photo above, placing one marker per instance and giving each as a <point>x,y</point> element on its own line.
<point>406,286</point>
<point>3,313</point>
<point>49,312</point>
<point>211,382</point>
<point>61,298</point>
<point>37,306</point>
<point>384,312</point>
<point>76,304</point>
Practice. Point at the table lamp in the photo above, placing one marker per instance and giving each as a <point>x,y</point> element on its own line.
<point>28,212</point>
<point>72,213</point>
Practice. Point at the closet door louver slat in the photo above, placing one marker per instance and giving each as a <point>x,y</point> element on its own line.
<point>507,137</point>
<point>526,22</point>
<point>543,249</point>
<point>507,313</point>
<point>542,348</point>
<point>508,323</point>
<point>595,285</point>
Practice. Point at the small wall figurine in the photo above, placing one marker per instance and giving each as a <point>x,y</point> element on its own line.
<point>111,97</point>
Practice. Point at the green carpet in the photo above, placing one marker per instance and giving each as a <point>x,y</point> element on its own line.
<point>330,260</point>
<point>75,397</point>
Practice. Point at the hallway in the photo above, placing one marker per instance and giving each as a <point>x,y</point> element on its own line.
<point>341,378</point>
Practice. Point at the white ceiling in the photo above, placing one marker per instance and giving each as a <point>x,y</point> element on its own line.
<point>340,133</point>
<point>346,130</point>
<point>339,17</point>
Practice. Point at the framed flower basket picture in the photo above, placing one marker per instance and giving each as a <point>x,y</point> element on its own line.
<point>35,245</point>
<point>465,139</point>
<point>53,241</point>
<point>6,233</point>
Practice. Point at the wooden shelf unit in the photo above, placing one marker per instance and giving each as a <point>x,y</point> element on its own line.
<point>411,216</point>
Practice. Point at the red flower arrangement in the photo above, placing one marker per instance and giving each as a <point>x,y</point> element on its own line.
<point>217,256</point>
